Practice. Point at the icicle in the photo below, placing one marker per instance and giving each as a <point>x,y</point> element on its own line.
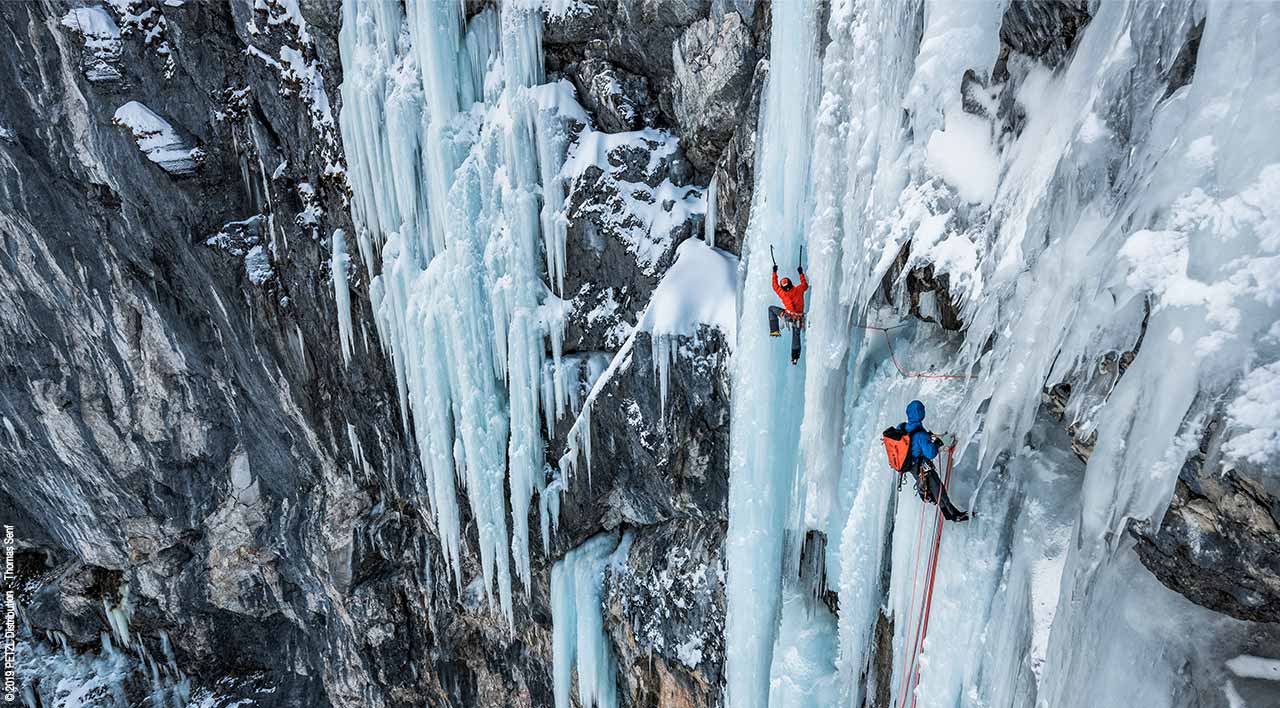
<point>709,223</point>
<point>339,263</point>
<point>578,637</point>
<point>466,200</point>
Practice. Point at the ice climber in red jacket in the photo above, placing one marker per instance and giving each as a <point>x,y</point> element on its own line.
<point>792,311</point>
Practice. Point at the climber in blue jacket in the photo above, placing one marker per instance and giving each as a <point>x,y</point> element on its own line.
<point>925,447</point>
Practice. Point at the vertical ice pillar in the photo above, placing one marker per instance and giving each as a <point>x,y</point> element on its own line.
<point>338,264</point>
<point>768,391</point>
<point>578,637</point>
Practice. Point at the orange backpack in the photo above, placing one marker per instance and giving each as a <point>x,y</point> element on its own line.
<point>897,445</point>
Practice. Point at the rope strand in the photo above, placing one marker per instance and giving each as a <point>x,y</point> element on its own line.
<point>894,357</point>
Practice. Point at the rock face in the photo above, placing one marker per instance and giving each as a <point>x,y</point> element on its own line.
<point>1219,544</point>
<point>714,62</point>
<point>176,428</point>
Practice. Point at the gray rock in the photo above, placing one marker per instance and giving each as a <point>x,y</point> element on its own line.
<point>650,464</point>
<point>1219,542</point>
<point>618,99</point>
<point>735,170</point>
<point>665,612</point>
<point>714,60</point>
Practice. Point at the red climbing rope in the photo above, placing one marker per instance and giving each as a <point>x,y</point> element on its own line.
<point>893,356</point>
<point>911,671</point>
<point>915,575</point>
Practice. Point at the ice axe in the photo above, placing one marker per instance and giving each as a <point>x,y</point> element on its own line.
<point>775,261</point>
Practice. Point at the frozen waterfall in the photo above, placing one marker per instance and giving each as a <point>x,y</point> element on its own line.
<point>1089,226</point>
<point>450,154</point>
<point>1095,220</point>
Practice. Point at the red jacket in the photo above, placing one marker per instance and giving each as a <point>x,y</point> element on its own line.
<point>793,299</point>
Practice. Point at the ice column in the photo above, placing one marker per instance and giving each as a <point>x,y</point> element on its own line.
<point>339,262</point>
<point>768,391</point>
<point>578,637</point>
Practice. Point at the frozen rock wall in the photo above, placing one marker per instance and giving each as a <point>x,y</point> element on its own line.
<point>365,353</point>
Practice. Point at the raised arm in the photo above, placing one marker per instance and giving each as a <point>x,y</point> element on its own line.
<point>776,288</point>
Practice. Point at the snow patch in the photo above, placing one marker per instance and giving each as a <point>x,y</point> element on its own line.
<point>158,140</point>
<point>962,154</point>
<point>101,37</point>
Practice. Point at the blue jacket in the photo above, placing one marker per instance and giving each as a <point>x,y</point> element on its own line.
<point>922,445</point>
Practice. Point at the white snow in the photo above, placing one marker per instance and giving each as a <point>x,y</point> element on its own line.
<point>257,264</point>
<point>962,154</point>
<point>101,38</point>
<point>1255,667</point>
<point>699,288</point>
<point>158,140</point>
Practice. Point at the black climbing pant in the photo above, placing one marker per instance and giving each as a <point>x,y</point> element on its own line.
<point>929,487</point>
<point>774,313</point>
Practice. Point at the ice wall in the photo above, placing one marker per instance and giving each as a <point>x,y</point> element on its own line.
<point>1098,219</point>
<point>450,154</point>
<point>768,391</point>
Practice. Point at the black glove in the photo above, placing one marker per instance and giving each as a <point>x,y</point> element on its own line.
<point>800,270</point>
<point>775,269</point>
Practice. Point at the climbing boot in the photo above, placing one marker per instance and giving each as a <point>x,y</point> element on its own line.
<point>775,333</point>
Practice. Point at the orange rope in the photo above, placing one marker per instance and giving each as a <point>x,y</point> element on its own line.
<point>915,575</point>
<point>908,374</point>
<point>923,626</point>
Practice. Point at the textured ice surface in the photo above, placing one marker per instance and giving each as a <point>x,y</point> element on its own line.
<point>1095,211</point>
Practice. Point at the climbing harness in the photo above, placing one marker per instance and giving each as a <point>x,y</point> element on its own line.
<point>888,338</point>
<point>915,642</point>
<point>792,320</point>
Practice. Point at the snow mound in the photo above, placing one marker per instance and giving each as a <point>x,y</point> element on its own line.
<point>700,288</point>
<point>158,140</point>
<point>101,37</point>
<point>964,157</point>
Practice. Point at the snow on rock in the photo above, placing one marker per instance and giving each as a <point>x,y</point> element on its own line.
<point>624,182</point>
<point>158,140</point>
<point>140,17</point>
<point>1256,667</point>
<point>299,69</point>
<point>101,38</point>
<point>257,265</point>
<point>700,288</point>
<point>1255,416</point>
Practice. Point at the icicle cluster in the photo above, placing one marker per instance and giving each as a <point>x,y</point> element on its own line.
<point>454,165</point>
<point>579,641</point>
